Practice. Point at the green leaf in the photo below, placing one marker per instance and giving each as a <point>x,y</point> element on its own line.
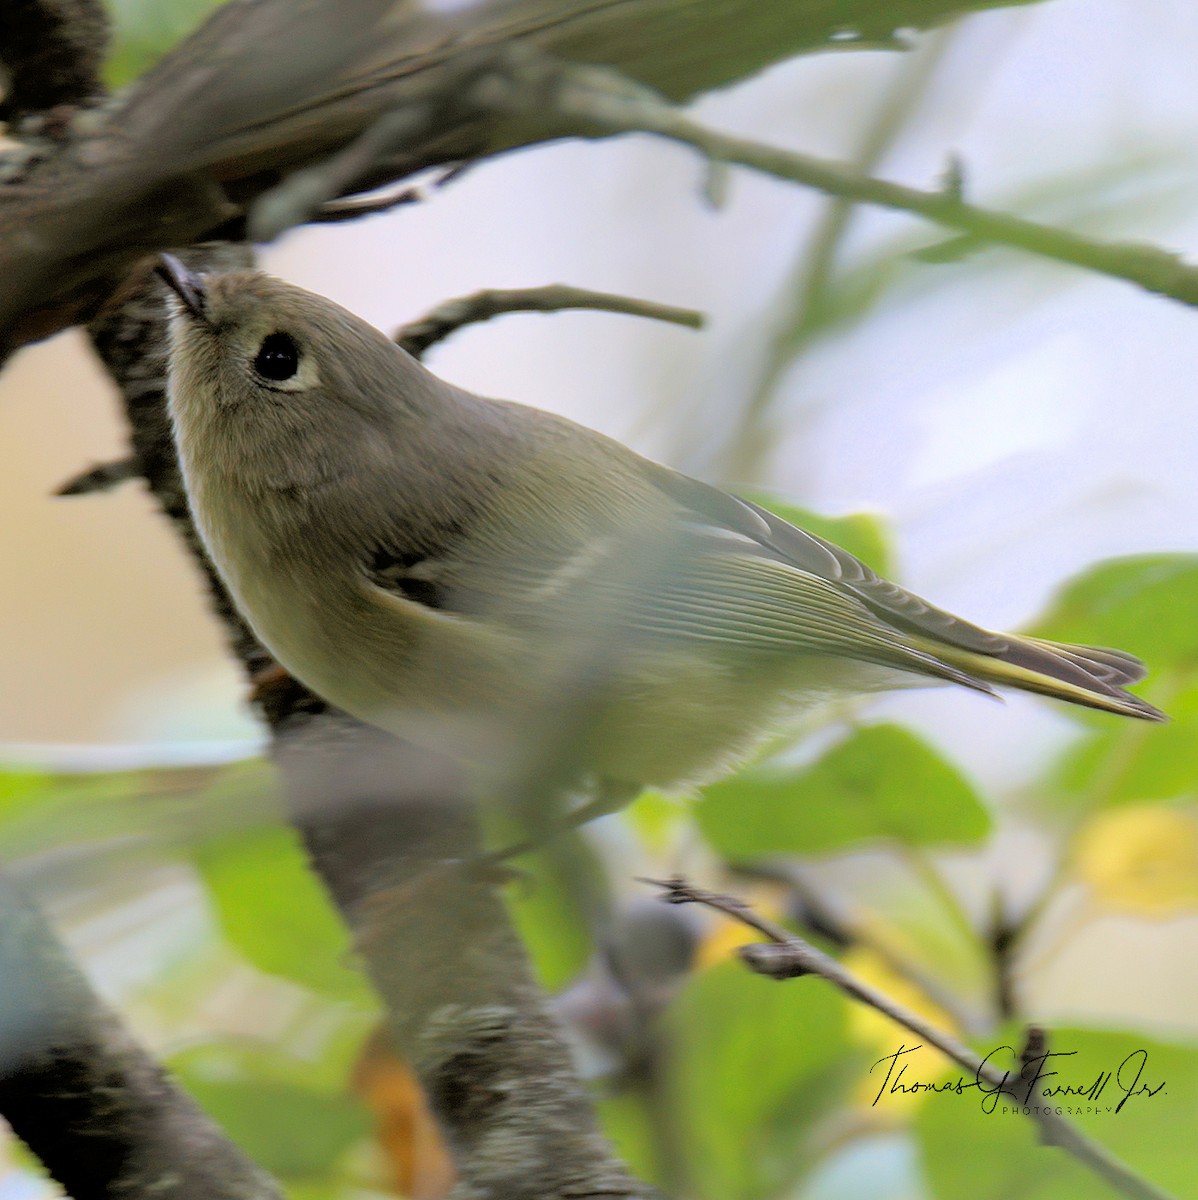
<point>292,1129</point>
<point>548,909</point>
<point>1144,605</point>
<point>629,1123</point>
<point>998,1155</point>
<point>42,811</point>
<point>862,534</point>
<point>272,909</point>
<point>753,1065</point>
<point>1131,762</point>
<point>880,783</point>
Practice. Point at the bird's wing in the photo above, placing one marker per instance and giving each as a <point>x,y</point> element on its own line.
<point>1084,674</point>
<point>821,558</point>
<point>614,564</point>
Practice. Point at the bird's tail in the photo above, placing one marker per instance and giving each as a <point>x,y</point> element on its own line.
<point>1087,675</point>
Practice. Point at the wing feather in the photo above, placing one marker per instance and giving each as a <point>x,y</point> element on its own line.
<point>1085,674</point>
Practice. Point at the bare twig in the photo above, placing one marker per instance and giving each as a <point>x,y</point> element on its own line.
<point>353,207</point>
<point>786,956</point>
<point>308,192</point>
<point>101,478</point>
<point>417,336</point>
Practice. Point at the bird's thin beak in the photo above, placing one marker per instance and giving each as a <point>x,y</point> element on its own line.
<point>187,286</point>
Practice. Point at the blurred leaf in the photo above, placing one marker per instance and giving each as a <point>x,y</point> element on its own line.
<point>1144,605</point>
<point>974,1155</point>
<point>552,904</point>
<point>754,1064</point>
<point>1141,859</point>
<point>862,534</point>
<point>405,1129</point>
<point>881,782</point>
<point>42,811</point>
<point>1127,763</point>
<point>144,30</point>
<point>272,909</point>
<point>288,1126</point>
<point>628,1119</point>
<point>656,817</point>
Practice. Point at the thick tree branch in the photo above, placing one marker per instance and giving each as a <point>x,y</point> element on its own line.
<point>786,956</point>
<point>188,149</point>
<point>379,817</point>
<point>100,1114</point>
<point>91,1104</point>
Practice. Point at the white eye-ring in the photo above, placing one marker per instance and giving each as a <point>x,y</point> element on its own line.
<point>281,366</point>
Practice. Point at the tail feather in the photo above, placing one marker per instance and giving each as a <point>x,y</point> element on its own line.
<point>1088,675</point>
<point>1111,666</point>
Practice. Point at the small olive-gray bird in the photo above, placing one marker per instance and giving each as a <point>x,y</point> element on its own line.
<point>458,570</point>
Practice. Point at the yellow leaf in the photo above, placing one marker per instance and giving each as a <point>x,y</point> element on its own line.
<point>1142,859</point>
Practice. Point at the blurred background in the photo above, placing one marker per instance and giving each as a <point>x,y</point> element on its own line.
<point>997,424</point>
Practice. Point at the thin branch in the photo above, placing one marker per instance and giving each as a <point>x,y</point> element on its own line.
<point>601,107</point>
<point>353,207</point>
<point>101,478</point>
<point>786,956</point>
<point>418,336</point>
<point>825,921</point>
<point>306,193</point>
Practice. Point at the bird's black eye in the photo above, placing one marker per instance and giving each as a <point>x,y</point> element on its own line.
<point>278,358</point>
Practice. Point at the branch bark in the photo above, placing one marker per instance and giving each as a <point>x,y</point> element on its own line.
<point>95,1108</point>
<point>182,155</point>
<point>104,1119</point>
<point>446,319</point>
<point>51,51</point>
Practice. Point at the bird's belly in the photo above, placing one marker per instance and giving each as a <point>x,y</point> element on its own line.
<point>440,681</point>
<point>484,693</point>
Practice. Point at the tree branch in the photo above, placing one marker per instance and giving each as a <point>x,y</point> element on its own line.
<point>102,478</point>
<point>188,149</point>
<point>786,956</point>
<point>88,1101</point>
<point>601,108</point>
<point>95,1108</point>
<point>446,319</point>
